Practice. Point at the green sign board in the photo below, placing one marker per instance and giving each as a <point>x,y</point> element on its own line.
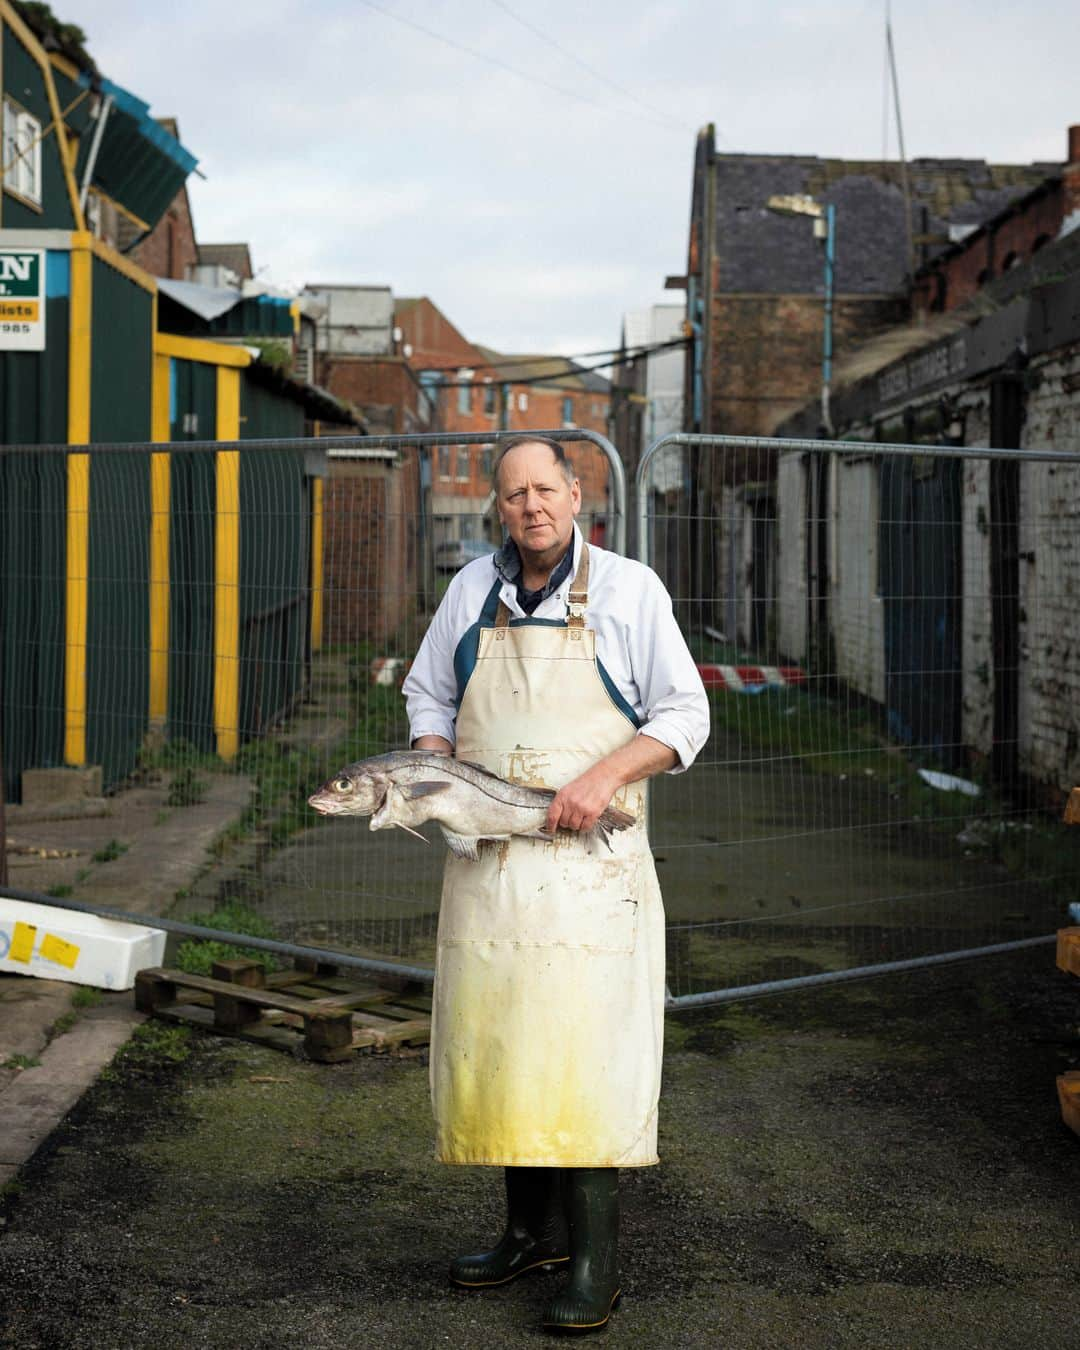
<point>22,299</point>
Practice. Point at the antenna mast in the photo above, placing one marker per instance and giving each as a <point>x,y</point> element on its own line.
<point>900,138</point>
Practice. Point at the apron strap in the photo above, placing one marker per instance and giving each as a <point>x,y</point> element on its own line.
<point>579,591</point>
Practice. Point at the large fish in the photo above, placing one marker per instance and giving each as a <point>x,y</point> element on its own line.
<point>406,788</point>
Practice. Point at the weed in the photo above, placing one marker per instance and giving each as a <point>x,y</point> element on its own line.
<point>21,1062</point>
<point>110,852</point>
<point>81,875</point>
<point>60,892</point>
<point>10,1189</point>
<point>186,788</point>
<point>197,955</point>
<point>85,996</point>
<point>162,817</point>
<point>63,1024</point>
<point>151,1048</point>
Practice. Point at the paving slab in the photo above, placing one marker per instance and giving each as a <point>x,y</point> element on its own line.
<point>38,1098</point>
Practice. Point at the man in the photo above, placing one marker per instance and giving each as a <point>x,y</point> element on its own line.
<point>557,664</point>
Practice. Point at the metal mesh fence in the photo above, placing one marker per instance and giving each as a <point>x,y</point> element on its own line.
<point>886,635</point>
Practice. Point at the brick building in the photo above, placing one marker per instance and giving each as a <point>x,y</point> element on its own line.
<point>945,587</point>
<point>995,247</point>
<point>755,278</point>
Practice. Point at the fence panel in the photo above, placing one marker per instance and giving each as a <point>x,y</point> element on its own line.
<point>250,610</point>
<point>892,695</point>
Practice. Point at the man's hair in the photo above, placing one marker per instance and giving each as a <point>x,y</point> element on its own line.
<point>561,457</point>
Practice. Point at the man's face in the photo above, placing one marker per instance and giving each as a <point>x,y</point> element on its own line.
<point>536,504</point>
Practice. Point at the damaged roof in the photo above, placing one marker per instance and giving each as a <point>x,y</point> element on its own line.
<point>761,251</point>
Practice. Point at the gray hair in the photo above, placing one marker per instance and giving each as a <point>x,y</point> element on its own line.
<point>561,458</point>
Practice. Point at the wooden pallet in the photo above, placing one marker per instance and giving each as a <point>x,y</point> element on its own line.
<point>330,1015</point>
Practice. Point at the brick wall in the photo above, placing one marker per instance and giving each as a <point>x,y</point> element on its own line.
<point>766,356</point>
<point>991,251</point>
<point>370,550</point>
<point>170,248</point>
<point>382,387</point>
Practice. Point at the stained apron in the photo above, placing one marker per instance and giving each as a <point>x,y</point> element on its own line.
<point>547,1029</point>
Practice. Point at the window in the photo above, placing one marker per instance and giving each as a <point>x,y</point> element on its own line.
<point>487,461</point>
<point>464,393</point>
<point>429,397</point>
<point>489,398</point>
<point>523,403</point>
<point>444,461</point>
<point>568,411</point>
<point>20,157</point>
<point>463,463</point>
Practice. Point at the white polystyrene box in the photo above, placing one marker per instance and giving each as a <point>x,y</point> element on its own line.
<point>63,944</point>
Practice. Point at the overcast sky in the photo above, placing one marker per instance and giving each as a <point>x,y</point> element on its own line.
<point>532,197</point>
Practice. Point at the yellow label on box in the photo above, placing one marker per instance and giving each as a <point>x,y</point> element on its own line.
<point>22,942</point>
<point>58,951</point>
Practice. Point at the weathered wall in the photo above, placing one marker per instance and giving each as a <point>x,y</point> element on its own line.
<point>791,557</point>
<point>854,602</point>
<point>766,353</point>
<point>1050,577</point>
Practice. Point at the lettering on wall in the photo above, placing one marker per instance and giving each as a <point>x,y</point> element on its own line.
<point>945,361</point>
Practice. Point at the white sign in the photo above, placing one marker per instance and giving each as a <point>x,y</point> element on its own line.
<point>22,299</point>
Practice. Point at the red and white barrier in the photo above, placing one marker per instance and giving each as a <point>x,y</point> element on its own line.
<point>749,679</point>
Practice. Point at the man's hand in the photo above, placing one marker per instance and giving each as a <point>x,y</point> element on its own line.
<point>579,805</point>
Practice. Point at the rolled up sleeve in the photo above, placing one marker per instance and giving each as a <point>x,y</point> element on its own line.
<point>673,699</point>
<point>430,687</point>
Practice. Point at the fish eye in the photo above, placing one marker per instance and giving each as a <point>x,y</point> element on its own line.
<point>342,784</point>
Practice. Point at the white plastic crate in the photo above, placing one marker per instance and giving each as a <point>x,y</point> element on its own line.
<point>62,944</point>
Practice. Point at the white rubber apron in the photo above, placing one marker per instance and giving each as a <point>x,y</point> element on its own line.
<point>547,1030</point>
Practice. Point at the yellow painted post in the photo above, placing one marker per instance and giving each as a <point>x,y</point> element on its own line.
<point>78,504</point>
<point>317,486</point>
<point>227,568</point>
<point>160,487</point>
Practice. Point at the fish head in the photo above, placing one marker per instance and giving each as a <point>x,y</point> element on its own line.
<point>356,790</point>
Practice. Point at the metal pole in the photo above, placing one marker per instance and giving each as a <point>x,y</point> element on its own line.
<point>842,976</point>
<point>830,269</point>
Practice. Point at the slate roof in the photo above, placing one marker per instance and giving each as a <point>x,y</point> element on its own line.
<point>564,373</point>
<point>760,251</point>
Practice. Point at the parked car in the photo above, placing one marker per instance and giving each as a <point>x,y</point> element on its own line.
<point>456,553</point>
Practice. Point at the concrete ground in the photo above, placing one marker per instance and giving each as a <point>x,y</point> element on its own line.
<point>54,1036</point>
<point>874,1165</point>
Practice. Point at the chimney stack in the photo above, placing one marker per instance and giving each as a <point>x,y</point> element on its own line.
<point>1074,145</point>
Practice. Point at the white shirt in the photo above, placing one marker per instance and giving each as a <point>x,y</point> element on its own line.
<point>637,641</point>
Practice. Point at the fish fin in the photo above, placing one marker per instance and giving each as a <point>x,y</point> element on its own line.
<point>461,846</point>
<point>614,819</point>
<point>415,833</point>
<point>415,790</point>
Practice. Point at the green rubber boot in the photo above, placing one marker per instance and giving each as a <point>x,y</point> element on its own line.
<point>535,1233</point>
<point>592,1291</point>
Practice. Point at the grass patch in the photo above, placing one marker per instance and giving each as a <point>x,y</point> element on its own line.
<point>110,852</point>
<point>22,1062</point>
<point>197,955</point>
<point>186,788</point>
<point>152,1047</point>
<point>63,1024</point>
<point>60,892</point>
<point>86,996</point>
